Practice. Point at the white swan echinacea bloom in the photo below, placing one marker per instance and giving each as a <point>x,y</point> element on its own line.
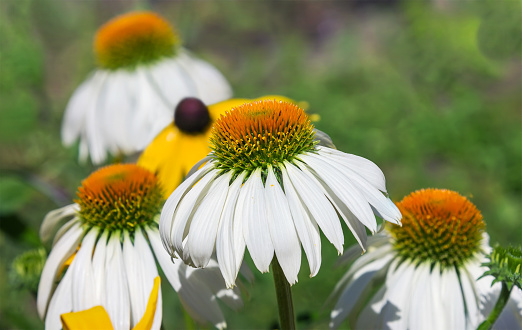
<point>269,187</point>
<point>105,253</point>
<point>143,73</point>
<point>425,274</point>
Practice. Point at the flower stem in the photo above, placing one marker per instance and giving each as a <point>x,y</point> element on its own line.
<point>499,306</point>
<point>284,297</point>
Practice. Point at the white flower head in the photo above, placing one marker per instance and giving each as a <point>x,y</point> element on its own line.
<point>105,254</point>
<point>267,186</point>
<point>143,74</point>
<point>423,275</point>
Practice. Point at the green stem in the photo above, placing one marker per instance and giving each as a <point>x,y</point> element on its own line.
<point>499,306</point>
<point>284,297</point>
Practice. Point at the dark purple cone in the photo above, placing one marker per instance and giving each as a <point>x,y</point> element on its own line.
<point>191,115</point>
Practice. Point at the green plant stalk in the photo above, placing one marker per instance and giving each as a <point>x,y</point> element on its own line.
<point>284,297</point>
<point>499,306</point>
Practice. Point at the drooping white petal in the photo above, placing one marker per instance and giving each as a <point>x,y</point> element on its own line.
<point>79,104</point>
<point>255,225</point>
<point>396,303</point>
<point>282,230</point>
<point>352,253</point>
<point>140,274</point>
<point>158,316</point>
<point>61,303</point>
<point>382,205</point>
<point>84,294</point>
<point>471,299</point>
<point>53,218</point>
<point>305,225</point>
<point>167,213</point>
<point>117,290</point>
<point>195,296</point>
<point>420,315</point>
<point>362,166</point>
<point>171,81</point>
<point>453,303</point>
<point>63,249</point>
<point>355,293</point>
<point>205,222</point>
<point>117,104</point>
<point>343,189</point>
<point>212,87</point>
<point>98,268</point>
<point>355,226</point>
<point>437,310</point>
<point>212,278</point>
<point>312,197</point>
<point>64,229</point>
<point>97,142</point>
<point>225,247</point>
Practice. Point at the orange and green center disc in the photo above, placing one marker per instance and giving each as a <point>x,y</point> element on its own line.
<point>120,197</point>
<point>439,226</point>
<point>133,39</point>
<point>261,133</point>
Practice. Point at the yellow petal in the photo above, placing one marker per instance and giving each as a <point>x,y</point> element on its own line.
<point>93,318</point>
<point>148,317</point>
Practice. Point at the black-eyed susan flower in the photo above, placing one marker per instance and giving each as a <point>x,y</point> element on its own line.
<point>184,141</point>
<point>269,187</point>
<point>143,72</point>
<point>105,253</point>
<point>423,275</point>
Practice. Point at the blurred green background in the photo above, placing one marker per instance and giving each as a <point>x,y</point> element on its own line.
<point>430,91</point>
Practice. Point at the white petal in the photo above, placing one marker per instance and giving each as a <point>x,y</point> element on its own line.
<point>195,296</point>
<point>167,213</point>
<point>172,82</point>
<point>397,301</point>
<point>343,189</point>
<point>357,290</point>
<point>225,247</point>
<point>320,209</point>
<point>63,249</point>
<point>362,166</point>
<point>212,278</point>
<point>282,230</point>
<point>53,218</point>
<point>355,226</point>
<point>382,205</point>
<point>140,274</point>
<point>255,226</point>
<point>117,291</point>
<point>64,229</point>
<point>469,292</point>
<point>77,107</point>
<point>61,303</point>
<point>96,141</point>
<point>305,225</point>
<point>84,293</point>
<point>452,301</point>
<point>204,226</point>
<point>211,85</point>
<point>98,268</point>
<point>421,316</point>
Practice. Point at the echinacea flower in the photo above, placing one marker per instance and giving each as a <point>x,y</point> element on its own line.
<point>269,187</point>
<point>143,73</point>
<point>104,255</point>
<point>184,141</point>
<point>423,275</point>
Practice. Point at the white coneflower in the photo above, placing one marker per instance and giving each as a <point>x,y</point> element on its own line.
<point>105,255</point>
<point>267,186</point>
<point>143,73</point>
<point>423,275</point>
<point>184,141</point>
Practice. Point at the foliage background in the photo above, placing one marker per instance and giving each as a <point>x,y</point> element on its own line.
<point>430,91</point>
